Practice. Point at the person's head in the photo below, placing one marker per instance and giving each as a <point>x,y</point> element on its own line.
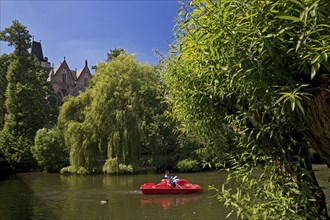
<point>167,172</point>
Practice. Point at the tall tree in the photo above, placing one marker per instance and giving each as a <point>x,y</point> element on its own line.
<point>257,70</point>
<point>112,55</point>
<point>112,114</point>
<point>115,53</point>
<point>4,64</point>
<point>27,105</point>
<point>18,36</point>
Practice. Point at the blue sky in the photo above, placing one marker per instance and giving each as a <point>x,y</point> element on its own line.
<point>82,30</point>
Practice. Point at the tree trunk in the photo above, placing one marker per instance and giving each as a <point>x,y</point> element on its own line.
<point>318,121</point>
<point>317,115</point>
<point>294,163</point>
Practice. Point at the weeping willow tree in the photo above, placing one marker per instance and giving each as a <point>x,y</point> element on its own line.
<point>104,126</point>
<point>260,71</point>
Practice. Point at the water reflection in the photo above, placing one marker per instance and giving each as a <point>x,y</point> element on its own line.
<point>168,201</point>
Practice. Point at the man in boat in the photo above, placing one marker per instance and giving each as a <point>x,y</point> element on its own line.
<point>174,180</point>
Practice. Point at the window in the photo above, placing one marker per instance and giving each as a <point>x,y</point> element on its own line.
<point>59,99</point>
<point>85,81</point>
<point>64,77</point>
<point>64,92</point>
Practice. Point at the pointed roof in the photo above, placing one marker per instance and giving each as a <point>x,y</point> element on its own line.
<point>64,63</point>
<point>79,72</point>
<point>36,50</point>
<point>55,69</point>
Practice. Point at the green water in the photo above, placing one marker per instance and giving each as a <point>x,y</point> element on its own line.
<point>53,196</point>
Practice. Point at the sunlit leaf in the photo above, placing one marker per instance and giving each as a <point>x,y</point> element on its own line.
<point>288,17</point>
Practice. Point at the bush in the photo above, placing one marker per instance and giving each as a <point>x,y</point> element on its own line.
<point>82,171</point>
<point>188,165</point>
<point>49,149</point>
<point>17,151</point>
<point>125,168</point>
<point>112,166</point>
<point>68,169</point>
<point>74,170</point>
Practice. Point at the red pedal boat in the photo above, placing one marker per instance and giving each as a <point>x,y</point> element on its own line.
<point>184,187</point>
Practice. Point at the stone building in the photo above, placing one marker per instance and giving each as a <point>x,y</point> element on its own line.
<point>64,81</point>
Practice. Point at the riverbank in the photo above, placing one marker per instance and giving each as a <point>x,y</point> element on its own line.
<point>322,173</point>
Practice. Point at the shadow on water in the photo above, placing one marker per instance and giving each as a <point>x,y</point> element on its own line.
<point>18,201</point>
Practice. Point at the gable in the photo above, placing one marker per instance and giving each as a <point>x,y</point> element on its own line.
<point>83,76</point>
<point>63,74</point>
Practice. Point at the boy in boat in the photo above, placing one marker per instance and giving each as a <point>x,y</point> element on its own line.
<point>167,175</point>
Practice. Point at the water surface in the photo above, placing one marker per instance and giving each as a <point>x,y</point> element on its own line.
<point>52,196</point>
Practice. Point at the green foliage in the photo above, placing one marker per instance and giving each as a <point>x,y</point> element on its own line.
<point>78,135</point>
<point>82,171</point>
<point>161,147</point>
<point>17,151</point>
<point>112,55</point>
<point>74,170</point>
<point>188,165</point>
<point>4,64</point>
<point>126,168</point>
<point>49,149</point>
<point>69,170</point>
<point>108,120</point>
<point>115,53</point>
<point>111,166</point>
<point>254,73</point>
<point>261,191</point>
<point>18,36</point>
<point>27,101</point>
<point>27,108</point>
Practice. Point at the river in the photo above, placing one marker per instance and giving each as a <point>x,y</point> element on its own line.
<point>52,196</point>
